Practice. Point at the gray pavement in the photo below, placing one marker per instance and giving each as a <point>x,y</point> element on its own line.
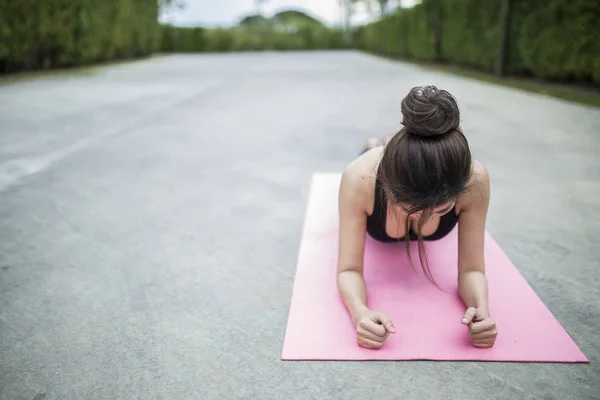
<point>151,212</point>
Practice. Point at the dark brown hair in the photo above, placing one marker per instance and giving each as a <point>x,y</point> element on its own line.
<point>428,162</point>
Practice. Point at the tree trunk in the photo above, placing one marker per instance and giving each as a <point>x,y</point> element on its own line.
<point>437,24</point>
<point>503,39</point>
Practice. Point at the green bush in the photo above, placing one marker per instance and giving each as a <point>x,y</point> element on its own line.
<point>420,40</point>
<point>561,39</point>
<point>57,33</point>
<point>470,32</point>
<point>60,33</point>
<point>551,39</point>
<point>175,39</point>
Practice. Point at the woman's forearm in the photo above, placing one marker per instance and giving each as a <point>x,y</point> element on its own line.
<point>473,289</point>
<point>351,286</point>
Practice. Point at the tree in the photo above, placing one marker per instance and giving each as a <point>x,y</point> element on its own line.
<point>261,24</point>
<point>258,5</point>
<point>295,16</point>
<point>382,6</point>
<point>434,10</point>
<point>253,20</point>
<point>171,4</point>
<point>503,38</point>
<point>349,8</point>
<point>372,4</point>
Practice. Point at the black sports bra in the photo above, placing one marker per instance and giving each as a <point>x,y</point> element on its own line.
<point>376,222</point>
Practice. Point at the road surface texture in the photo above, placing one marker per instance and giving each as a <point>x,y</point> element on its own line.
<point>151,213</point>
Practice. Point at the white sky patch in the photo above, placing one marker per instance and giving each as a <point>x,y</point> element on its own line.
<point>211,13</point>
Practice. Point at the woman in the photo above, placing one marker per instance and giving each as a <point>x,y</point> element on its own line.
<point>417,186</point>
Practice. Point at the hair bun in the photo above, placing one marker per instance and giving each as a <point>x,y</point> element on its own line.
<point>428,111</point>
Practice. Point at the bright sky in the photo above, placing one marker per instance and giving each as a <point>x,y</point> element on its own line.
<point>228,12</point>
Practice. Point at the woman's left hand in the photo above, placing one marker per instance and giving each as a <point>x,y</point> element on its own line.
<point>482,328</point>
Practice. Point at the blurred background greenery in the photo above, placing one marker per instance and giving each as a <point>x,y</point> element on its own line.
<point>556,40</point>
<point>552,39</point>
<point>286,30</point>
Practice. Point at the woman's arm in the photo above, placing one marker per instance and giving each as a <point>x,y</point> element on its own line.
<point>372,328</point>
<point>352,219</point>
<point>472,283</point>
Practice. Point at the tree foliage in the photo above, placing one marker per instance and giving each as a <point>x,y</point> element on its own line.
<point>296,17</point>
<point>253,20</point>
<point>551,39</point>
<point>176,39</point>
<point>286,30</point>
<point>57,33</point>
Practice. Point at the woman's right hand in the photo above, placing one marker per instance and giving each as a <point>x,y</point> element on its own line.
<point>372,329</point>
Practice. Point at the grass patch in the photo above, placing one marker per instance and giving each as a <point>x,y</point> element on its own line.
<point>578,94</point>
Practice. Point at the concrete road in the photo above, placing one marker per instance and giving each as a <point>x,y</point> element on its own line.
<point>150,218</point>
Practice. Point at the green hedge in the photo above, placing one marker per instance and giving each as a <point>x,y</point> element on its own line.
<point>551,39</point>
<point>561,39</point>
<point>470,32</point>
<point>40,34</point>
<point>176,39</point>
<point>43,34</point>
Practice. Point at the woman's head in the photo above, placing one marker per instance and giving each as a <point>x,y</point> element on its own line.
<point>427,164</point>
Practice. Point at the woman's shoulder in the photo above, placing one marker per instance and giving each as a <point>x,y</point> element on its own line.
<point>478,188</point>
<point>480,174</point>
<point>359,179</point>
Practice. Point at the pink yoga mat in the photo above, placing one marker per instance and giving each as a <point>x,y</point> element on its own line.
<point>426,318</point>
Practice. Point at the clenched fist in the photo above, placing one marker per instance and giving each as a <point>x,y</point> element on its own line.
<point>372,329</point>
<point>482,328</point>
